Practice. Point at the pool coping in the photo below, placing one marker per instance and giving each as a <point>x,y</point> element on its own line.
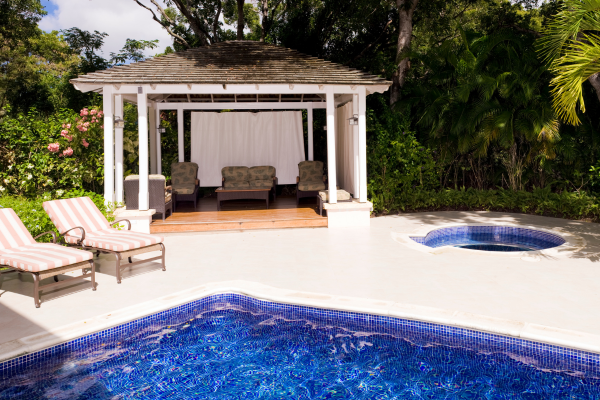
<point>523,330</point>
<point>573,243</point>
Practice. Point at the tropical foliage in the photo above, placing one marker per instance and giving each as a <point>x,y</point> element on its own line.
<point>493,106</point>
<point>571,45</point>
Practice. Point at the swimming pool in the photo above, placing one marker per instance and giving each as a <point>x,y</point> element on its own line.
<point>490,238</point>
<point>230,346</point>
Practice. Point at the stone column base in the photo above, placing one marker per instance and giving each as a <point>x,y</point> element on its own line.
<point>140,220</point>
<point>348,214</point>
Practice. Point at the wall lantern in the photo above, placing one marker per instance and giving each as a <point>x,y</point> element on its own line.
<point>353,120</point>
<point>161,129</point>
<point>119,123</point>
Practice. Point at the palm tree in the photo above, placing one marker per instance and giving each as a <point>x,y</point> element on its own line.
<point>571,47</point>
<point>490,91</point>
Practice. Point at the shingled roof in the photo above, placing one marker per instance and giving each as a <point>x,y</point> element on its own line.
<point>235,62</point>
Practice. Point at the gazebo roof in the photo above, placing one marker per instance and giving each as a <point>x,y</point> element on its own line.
<point>235,62</point>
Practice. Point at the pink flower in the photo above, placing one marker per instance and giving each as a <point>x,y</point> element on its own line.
<point>63,126</point>
<point>86,124</point>
<point>85,143</point>
<point>54,147</point>
<point>68,152</point>
<point>82,128</point>
<point>93,120</point>
<point>68,126</point>
<point>83,112</point>
<point>64,133</point>
<point>102,126</point>
<point>93,112</point>
<point>69,137</point>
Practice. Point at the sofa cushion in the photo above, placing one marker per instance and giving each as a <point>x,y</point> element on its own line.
<point>342,195</point>
<point>261,184</point>
<point>311,186</point>
<point>261,173</point>
<point>185,189</point>
<point>235,174</point>
<point>236,185</point>
<point>310,171</point>
<point>183,174</point>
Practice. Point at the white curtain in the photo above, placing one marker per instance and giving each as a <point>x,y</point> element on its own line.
<point>247,139</point>
<point>344,148</point>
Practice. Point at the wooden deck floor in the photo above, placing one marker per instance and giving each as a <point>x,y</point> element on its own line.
<point>240,215</point>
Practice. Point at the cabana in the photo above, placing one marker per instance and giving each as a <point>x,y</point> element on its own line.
<point>238,75</point>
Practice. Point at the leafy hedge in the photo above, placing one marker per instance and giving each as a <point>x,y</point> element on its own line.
<point>572,205</point>
<point>35,218</point>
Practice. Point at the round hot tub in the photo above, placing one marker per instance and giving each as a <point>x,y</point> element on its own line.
<point>490,238</point>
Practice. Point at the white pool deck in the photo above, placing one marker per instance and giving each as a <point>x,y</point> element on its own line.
<point>553,298</point>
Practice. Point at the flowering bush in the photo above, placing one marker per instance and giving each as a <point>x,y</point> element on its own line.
<point>76,134</point>
<point>51,154</point>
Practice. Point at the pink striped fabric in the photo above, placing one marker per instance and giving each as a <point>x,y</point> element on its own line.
<point>116,240</point>
<point>42,256</point>
<point>69,213</point>
<point>12,231</point>
<point>80,211</point>
<point>19,250</point>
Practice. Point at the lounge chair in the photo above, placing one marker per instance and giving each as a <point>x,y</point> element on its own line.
<point>310,179</point>
<point>83,225</point>
<point>184,181</point>
<point>160,196</point>
<point>19,252</point>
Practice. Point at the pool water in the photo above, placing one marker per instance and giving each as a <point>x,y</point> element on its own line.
<point>229,352</point>
<point>490,238</point>
<point>492,247</point>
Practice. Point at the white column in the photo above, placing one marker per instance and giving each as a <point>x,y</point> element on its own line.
<point>119,150</point>
<point>309,122</point>
<point>362,142</point>
<point>331,146</point>
<point>355,147</point>
<point>143,148</point>
<point>158,143</point>
<point>109,151</point>
<point>180,135</point>
<point>152,130</point>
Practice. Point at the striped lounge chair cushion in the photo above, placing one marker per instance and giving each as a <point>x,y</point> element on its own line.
<point>81,211</point>
<point>19,250</point>
<point>116,240</point>
<point>42,256</point>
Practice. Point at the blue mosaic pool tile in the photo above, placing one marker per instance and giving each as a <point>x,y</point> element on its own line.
<point>481,235</point>
<point>420,333</point>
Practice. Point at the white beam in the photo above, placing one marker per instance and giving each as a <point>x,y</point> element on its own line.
<point>180,143</point>
<point>228,88</point>
<point>158,142</point>
<point>152,130</point>
<point>331,170</point>
<point>109,154</point>
<point>362,144</point>
<point>310,123</point>
<point>143,149</point>
<point>119,167</point>
<point>355,147</point>
<point>240,106</point>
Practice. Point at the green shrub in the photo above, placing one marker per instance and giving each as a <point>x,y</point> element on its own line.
<point>397,162</point>
<point>541,201</point>
<point>35,218</point>
<point>40,154</point>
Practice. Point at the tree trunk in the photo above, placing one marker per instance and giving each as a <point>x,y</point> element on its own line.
<point>595,81</point>
<point>264,9</point>
<point>240,21</point>
<point>406,9</point>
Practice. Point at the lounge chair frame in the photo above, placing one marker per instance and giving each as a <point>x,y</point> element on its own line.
<point>54,272</point>
<point>120,255</point>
